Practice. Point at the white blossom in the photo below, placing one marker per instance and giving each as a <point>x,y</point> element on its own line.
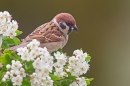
<point>7,27</point>
<point>6,76</point>
<point>78,52</point>
<point>77,64</point>
<point>49,82</point>
<point>16,73</point>
<point>59,72</point>
<point>59,55</point>
<point>17,80</point>
<point>81,81</point>
<point>8,66</point>
<point>7,15</point>
<point>74,84</point>
<point>22,73</point>
<point>12,71</point>
<point>37,79</point>
<point>33,44</point>
<point>61,62</point>
<point>37,63</point>
<point>16,65</point>
<point>44,63</point>
<point>7,73</point>
<point>72,61</point>
<point>3,79</point>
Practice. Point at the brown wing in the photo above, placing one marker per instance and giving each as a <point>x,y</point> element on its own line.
<point>48,32</point>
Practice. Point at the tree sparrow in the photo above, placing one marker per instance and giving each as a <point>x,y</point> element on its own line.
<point>52,35</point>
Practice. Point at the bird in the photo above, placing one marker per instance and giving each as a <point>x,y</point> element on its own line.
<point>53,35</point>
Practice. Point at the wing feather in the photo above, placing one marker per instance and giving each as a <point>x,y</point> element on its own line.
<point>48,32</point>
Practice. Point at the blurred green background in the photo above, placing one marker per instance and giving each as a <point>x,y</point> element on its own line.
<point>104,32</point>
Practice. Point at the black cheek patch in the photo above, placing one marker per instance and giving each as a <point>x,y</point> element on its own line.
<point>62,25</point>
<point>69,30</point>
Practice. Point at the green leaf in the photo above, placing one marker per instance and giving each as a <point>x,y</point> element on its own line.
<point>88,58</point>
<point>8,56</point>
<point>9,82</point>
<point>88,80</point>
<point>16,41</point>
<point>26,82</point>
<point>4,45</point>
<point>54,78</point>
<point>57,83</point>
<point>29,67</point>
<point>18,32</point>
<point>71,77</point>
<point>60,50</point>
<point>15,56</point>
<point>1,75</point>
<point>66,82</point>
<point>7,51</point>
<point>7,42</point>
<point>5,59</point>
<point>4,84</point>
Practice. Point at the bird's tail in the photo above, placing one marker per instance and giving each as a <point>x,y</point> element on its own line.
<point>14,48</point>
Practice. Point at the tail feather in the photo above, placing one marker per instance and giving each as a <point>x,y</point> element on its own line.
<point>14,48</point>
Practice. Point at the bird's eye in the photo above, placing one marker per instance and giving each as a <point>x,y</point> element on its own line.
<point>68,23</point>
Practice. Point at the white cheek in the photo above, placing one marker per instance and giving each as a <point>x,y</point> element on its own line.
<point>66,29</point>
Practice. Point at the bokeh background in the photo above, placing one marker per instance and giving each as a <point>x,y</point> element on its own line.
<point>104,32</point>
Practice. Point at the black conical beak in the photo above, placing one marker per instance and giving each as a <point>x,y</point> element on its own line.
<point>75,28</point>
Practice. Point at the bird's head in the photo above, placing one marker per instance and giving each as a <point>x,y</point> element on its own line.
<point>66,22</point>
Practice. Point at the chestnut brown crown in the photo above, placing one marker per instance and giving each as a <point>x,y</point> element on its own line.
<point>66,19</point>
